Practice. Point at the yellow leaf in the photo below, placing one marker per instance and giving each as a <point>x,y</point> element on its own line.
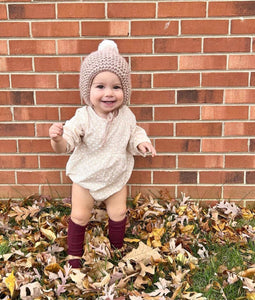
<point>187,229</point>
<point>49,234</point>
<point>135,201</point>
<point>250,296</point>
<point>10,283</point>
<point>181,210</point>
<point>246,213</point>
<point>131,240</point>
<point>54,268</point>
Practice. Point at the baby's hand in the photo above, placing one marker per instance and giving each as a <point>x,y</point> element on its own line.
<point>147,147</point>
<point>56,131</point>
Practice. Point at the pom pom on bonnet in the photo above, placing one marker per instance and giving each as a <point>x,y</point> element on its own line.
<point>106,58</point>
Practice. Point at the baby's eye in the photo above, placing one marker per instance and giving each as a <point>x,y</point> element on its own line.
<point>100,86</point>
<point>116,87</point>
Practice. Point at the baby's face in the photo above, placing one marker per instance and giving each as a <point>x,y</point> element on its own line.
<point>106,93</point>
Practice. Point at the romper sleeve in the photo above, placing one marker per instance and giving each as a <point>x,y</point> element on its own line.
<point>138,136</point>
<point>74,130</point>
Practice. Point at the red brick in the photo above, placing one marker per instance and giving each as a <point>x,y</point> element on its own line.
<point>231,8</point>
<point>55,29</point>
<point>57,64</point>
<point>221,177</point>
<point>199,96</point>
<point>105,28</point>
<point>252,79</point>
<point>14,29</point>
<point>224,145</point>
<point>224,112</point>
<point>245,26</point>
<point>18,161</point>
<point>34,146</point>
<point>158,129</point>
<point>152,97</point>
<point>240,162</point>
<point>211,27</point>
<point>32,47</point>
<point>35,113</point>
<point>57,191</point>
<point>68,81</point>
<point>7,177</point>
<point>133,45</point>
<point>81,10</point>
<point>12,191</point>
<point>241,62</point>
<point>16,98</point>
<point>139,177</point>
<point>10,64</point>
<point>178,45</point>
<point>252,145</point>
<point>131,10</point>
<point>177,145</point>
<point>17,129</point>
<point>177,113</point>
<point>173,177</point>
<point>141,80</point>
<point>8,146</point>
<point>176,80</point>
<point>42,130</point>
<point>6,114</point>
<point>227,44</point>
<point>67,113</point>
<point>30,177</point>
<point>198,129</point>
<point>65,179</point>
<point>31,11</point>
<point>142,28</point>
<point>153,190</point>
<point>181,9</point>
<point>53,161</point>
<point>87,46</point>
<point>34,81</point>
<point>225,79</point>
<point>3,12</point>
<point>250,177</point>
<point>239,192</point>
<point>3,48</point>
<point>239,129</point>
<point>71,46</point>
<point>4,81</point>
<point>152,63</point>
<point>239,96</point>
<point>58,97</point>
<point>252,112</point>
<point>168,161</point>
<point>201,193</point>
<point>205,62</point>
<point>200,161</point>
<point>142,113</point>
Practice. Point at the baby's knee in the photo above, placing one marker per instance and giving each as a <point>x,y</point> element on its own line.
<point>117,215</point>
<point>81,219</point>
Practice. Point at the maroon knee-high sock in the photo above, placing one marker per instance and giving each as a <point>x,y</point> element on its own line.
<point>117,232</point>
<point>75,240</point>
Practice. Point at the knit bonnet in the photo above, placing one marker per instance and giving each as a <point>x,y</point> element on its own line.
<point>106,58</point>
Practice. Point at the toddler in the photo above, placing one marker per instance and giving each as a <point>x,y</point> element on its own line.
<point>102,138</point>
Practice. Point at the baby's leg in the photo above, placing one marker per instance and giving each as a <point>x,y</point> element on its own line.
<point>116,208</point>
<point>82,204</point>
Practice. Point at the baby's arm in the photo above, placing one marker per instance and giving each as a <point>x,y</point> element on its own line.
<point>146,147</point>
<point>58,143</point>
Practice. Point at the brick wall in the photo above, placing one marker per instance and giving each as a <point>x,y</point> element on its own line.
<point>193,77</point>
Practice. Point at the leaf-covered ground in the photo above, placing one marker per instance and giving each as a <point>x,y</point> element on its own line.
<point>173,250</point>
